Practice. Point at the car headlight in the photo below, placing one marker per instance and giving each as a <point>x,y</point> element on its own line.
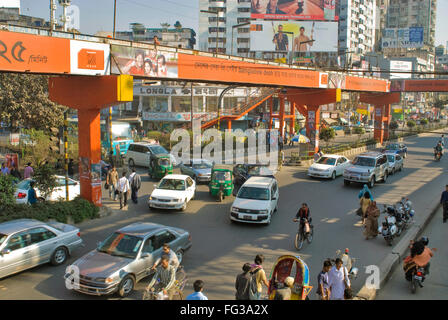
<point>200,174</point>
<point>235,209</point>
<point>263,211</point>
<point>152,198</point>
<point>179,200</point>
<point>365,174</point>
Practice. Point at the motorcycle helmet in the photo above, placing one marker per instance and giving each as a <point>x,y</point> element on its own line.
<point>424,240</point>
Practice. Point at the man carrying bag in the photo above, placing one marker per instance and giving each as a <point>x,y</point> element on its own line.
<point>136,183</point>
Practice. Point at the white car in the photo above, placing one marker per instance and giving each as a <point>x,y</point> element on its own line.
<point>395,162</point>
<point>23,186</point>
<point>174,191</point>
<point>256,201</point>
<point>141,153</point>
<point>328,166</point>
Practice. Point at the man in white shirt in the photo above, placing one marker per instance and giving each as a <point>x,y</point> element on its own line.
<point>123,189</point>
<point>173,260</point>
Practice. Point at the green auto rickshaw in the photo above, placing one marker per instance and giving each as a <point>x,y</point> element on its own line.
<point>221,183</point>
<point>160,165</point>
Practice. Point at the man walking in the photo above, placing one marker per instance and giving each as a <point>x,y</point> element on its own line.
<point>135,182</point>
<point>444,203</point>
<point>111,180</point>
<point>323,289</point>
<point>28,172</point>
<point>123,189</point>
<point>260,274</point>
<point>242,283</point>
<point>198,286</point>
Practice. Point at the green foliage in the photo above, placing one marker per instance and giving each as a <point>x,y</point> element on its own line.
<point>327,134</point>
<point>44,175</point>
<point>359,130</point>
<point>77,210</point>
<point>24,102</point>
<point>37,147</point>
<point>424,122</point>
<point>7,190</point>
<point>393,125</point>
<point>411,124</point>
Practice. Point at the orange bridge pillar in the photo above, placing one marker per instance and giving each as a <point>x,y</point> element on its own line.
<point>88,95</point>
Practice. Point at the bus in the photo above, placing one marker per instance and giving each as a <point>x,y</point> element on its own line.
<point>121,137</point>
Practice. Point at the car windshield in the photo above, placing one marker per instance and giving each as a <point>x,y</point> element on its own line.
<point>202,165</point>
<point>23,185</point>
<point>391,158</point>
<point>164,162</point>
<point>364,162</point>
<point>221,175</point>
<point>2,238</point>
<point>392,147</point>
<point>158,149</point>
<point>120,244</point>
<point>259,171</point>
<point>172,184</point>
<point>327,160</point>
<point>253,193</point>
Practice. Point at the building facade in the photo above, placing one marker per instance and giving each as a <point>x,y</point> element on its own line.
<point>175,37</point>
<point>357,24</point>
<point>221,26</point>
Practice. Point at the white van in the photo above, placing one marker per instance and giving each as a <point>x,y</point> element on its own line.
<point>256,201</point>
<point>141,153</point>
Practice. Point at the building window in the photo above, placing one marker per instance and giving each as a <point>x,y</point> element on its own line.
<point>155,104</point>
<point>243,30</point>
<point>243,40</point>
<point>243,9</point>
<point>213,29</point>
<point>243,20</point>
<point>243,50</point>
<point>211,104</point>
<point>213,19</point>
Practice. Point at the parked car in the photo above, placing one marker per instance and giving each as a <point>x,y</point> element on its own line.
<point>21,193</point>
<point>256,201</point>
<point>368,167</point>
<point>395,162</point>
<point>328,166</point>
<point>141,154</point>
<point>199,169</point>
<point>126,257</point>
<point>26,243</point>
<point>242,172</point>
<point>174,191</point>
<point>398,148</point>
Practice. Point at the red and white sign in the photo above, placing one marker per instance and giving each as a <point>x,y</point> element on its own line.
<point>89,58</point>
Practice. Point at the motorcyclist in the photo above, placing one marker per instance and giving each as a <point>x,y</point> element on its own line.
<point>304,215</point>
<point>438,149</point>
<point>420,256</point>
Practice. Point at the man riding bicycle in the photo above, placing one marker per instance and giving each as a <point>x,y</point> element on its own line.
<point>166,274</point>
<point>304,215</point>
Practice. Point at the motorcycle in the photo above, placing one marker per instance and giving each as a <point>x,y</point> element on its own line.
<point>437,155</point>
<point>389,229</point>
<point>418,276</point>
<point>407,212</point>
<point>348,262</point>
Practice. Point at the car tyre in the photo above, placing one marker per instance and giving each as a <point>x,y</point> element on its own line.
<point>385,177</point>
<point>59,256</point>
<point>372,182</point>
<point>184,207</point>
<point>131,163</point>
<point>401,168</point>
<point>333,175</point>
<point>346,182</point>
<point>126,286</point>
<point>180,255</point>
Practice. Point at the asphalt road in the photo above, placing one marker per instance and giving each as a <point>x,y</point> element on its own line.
<point>436,283</point>
<point>220,247</point>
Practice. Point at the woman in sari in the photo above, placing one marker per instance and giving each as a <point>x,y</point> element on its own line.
<point>371,227</point>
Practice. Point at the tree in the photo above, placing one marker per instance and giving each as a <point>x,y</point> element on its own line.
<point>424,122</point>
<point>7,190</point>
<point>393,126</point>
<point>327,134</point>
<point>411,124</point>
<point>359,131</point>
<point>24,102</point>
<point>45,178</point>
<point>37,147</point>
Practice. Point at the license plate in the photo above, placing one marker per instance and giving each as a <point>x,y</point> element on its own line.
<point>418,278</point>
<point>247,217</point>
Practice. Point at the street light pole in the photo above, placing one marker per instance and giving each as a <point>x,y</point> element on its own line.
<point>115,16</point>
<point>237,26</point>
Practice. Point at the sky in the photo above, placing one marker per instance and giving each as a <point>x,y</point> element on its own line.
<point>97,15</point>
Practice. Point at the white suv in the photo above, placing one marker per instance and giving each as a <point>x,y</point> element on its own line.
<point>140,153</point>
<point>256,201</point>
<point>368,167</point>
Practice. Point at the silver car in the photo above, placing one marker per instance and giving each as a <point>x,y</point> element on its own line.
<point>126,257</point>
<point>199,169</point>
<point>26,243</point>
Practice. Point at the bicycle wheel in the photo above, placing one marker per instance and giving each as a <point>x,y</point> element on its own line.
<point>309,237</point>
<point>147,295</point>
<point>298,241</point>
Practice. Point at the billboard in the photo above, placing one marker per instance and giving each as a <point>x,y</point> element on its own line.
<point>89,58</point>
<point>402,37</point>
<point>297,36</point>
<point>144,62</point>
<point>295,9</point>
<point>397,65</point>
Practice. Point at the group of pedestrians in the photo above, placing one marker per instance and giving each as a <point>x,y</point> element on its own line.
<point>124,186</point>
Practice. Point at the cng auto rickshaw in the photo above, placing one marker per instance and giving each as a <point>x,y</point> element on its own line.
<point>160,166</point>
<point>290,266</point>
<point>221,183</point>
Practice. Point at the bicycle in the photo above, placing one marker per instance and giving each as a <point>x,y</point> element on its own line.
<point>301,235</point>
<point>181,280</point>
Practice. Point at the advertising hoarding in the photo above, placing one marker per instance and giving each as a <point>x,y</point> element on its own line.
<point>396,65</point>
<point>402,37</point>
<point>295,9</point>
<point>297,36</point>
<point>144,62</point>
<point>89,58</point>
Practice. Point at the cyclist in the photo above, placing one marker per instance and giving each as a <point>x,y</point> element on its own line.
<point>173,260</point>
<point>166,274</point>
<point>304,215</point>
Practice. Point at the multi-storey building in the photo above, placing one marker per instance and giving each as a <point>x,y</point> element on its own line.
<point>174,37</point>
<point>222,26</point>
<point>357,23</point>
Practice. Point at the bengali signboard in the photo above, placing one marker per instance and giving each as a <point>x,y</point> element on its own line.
<point>295,9</point>
<point>177,116</point>
<point>402,37</point>
<point>297,36</point>
<point>397,65</point>
<point>144,62</point>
